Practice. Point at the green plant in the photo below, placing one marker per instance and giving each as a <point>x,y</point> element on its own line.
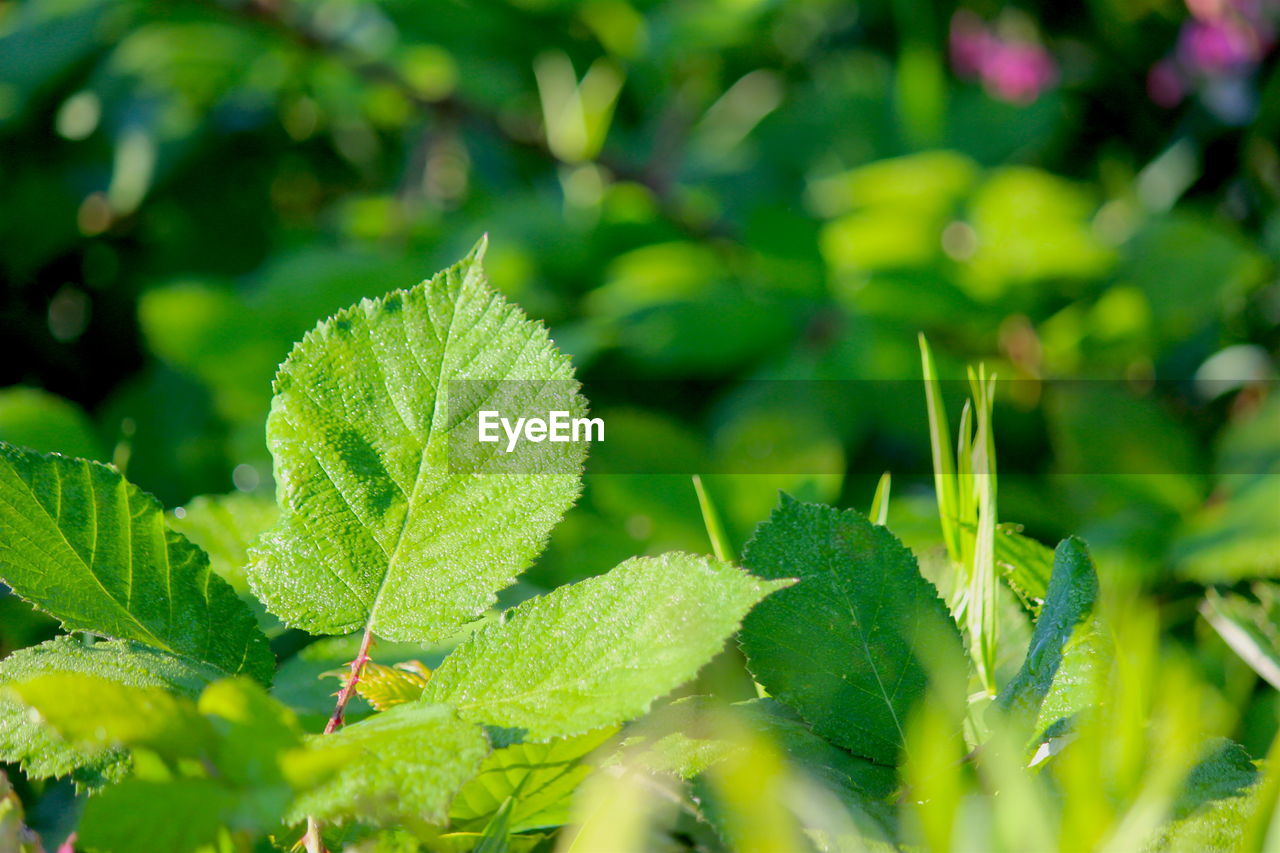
<point>536,730</point>
<point>376,535</point>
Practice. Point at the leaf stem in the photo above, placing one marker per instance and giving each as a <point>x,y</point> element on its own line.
<point>312,841</point>
<point>348,690</point>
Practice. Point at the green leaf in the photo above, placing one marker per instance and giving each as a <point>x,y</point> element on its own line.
<point>406,765</point>
<point>826,762</point>
<point>37,747</point>
<point>1215,803</point>
<point>47,423</point>
<point>599,651</point>
<point>377,531</point>
<point>843,646</point>
<point>93,712</point>
<point>385,687</point>
<point>224,526</point>
<point>91,549</point>
<point>252,728</point>
<point>1056,674</point>
<point>174,816</point>
<point>539,780</point>
<point>1025,565</point>
<point>1251,628</point>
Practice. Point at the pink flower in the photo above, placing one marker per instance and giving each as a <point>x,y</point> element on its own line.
<point>1018,71</point>
<point>1012,71</point>
<point>1219,46</point>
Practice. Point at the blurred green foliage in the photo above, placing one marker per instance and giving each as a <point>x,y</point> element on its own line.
<point>703,192</point>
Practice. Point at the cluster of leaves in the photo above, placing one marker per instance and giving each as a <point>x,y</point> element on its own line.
<point>157,701</point>
<point>375,535</point>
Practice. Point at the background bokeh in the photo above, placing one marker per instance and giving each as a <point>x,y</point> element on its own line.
<point>703,192</point>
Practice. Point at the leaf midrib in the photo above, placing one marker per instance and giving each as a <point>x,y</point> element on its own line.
<point>393,559</point>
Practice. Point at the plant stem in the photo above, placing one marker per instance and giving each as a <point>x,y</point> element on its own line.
<point>312,840</point>
<point>348,690</point>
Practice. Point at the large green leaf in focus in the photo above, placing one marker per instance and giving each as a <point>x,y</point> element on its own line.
<point>843,646</point>
<point>599,651</point>
<point>406,765</point>
<point>37,747</point>
<point>1057,675</point>
<point>83,544</point>
<point>377,531</point>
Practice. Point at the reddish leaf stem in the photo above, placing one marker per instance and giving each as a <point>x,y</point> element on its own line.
<point>312,840</point>
<point>348,690</point>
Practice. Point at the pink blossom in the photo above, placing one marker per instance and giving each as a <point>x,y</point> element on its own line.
<point>1013,71</point>
<point>1018,71</point>
<point>1219,46</point>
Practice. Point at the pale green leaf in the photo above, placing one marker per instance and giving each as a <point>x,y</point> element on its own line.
<point>89,548</point>
<point>385,687</point>
<point>599,651</point>
<point>538,778</point>
<point>252,729</point>
<point>37,747</point>
<point>843,646</point>
<point>175,816</point>
<point>378,531</point>
<point>93,712</point>
<point>1057,675</point>
<point>406,764</point>
<point>1215,804</point>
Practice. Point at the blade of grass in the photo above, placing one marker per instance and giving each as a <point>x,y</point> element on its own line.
<point>944,466</point>
<point>711,520</point>
<point>982,578</point>
<point>880,500</point>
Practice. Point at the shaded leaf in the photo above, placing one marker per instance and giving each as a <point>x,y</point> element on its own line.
<point>225,526</point>
<point>537,779</point>
<point>136,816</point>
<point>842,647</point>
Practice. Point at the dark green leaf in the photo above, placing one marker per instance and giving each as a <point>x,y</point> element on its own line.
<point>843,646</point>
